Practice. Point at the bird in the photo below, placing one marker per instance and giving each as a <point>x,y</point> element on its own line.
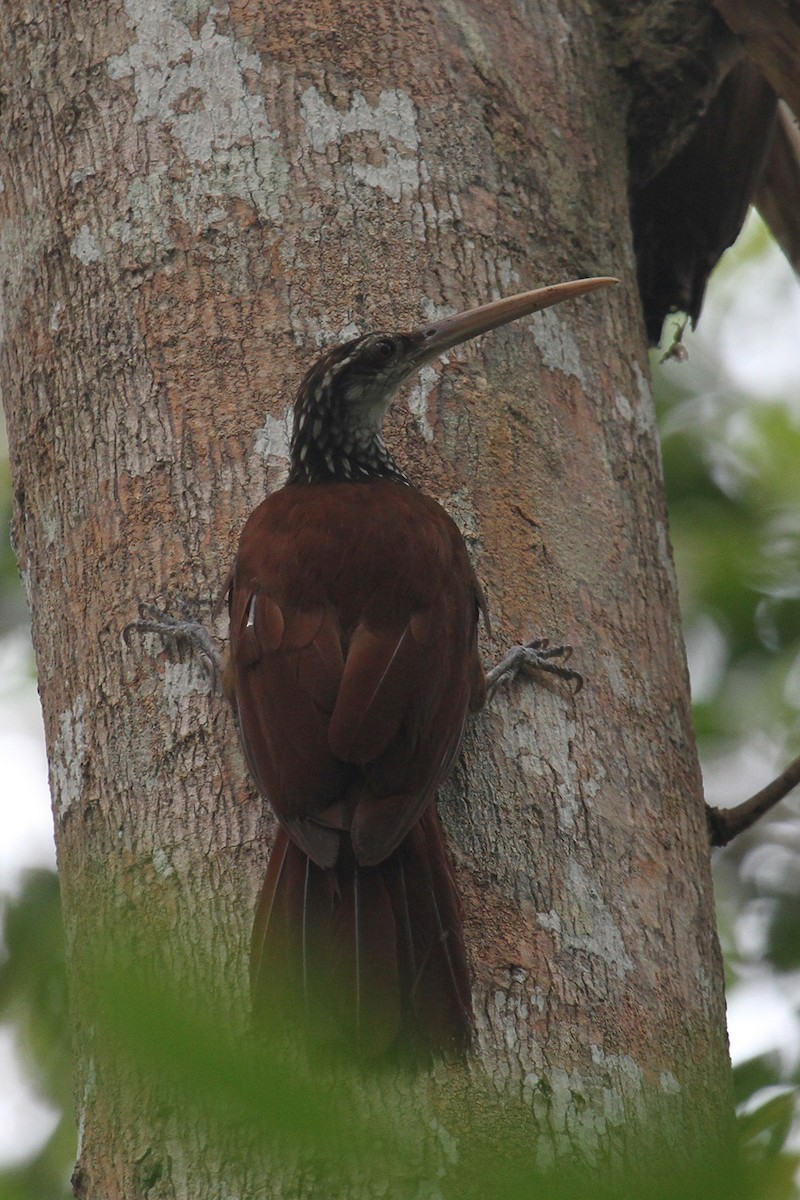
<point>692,210</point>
<point>353,666</point>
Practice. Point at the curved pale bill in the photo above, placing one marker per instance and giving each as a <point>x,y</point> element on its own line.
<point>441,335</point>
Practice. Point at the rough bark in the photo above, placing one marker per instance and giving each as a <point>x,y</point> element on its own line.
<point>195,198</point>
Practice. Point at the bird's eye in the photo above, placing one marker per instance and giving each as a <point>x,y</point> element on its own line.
<point>383,349</point>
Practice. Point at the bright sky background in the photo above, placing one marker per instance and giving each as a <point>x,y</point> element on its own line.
<point>26,840</point>
<point>755,315</point>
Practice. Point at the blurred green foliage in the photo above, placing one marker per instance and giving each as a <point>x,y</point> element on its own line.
<point>341,1129</point>
<point>732,463</point>
<point>33,997</point>
<point>731,456</point>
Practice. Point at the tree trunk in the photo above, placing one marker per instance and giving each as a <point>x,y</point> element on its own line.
<point>195,198</point>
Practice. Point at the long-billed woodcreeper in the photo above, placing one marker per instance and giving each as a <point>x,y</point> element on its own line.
<point>353,665</point>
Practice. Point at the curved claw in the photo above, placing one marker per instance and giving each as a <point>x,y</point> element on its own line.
<point>155,620</point>
<point>535,655</point>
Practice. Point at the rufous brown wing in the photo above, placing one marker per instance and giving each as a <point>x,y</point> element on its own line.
<point>353,665</point>
<point>354,612</point>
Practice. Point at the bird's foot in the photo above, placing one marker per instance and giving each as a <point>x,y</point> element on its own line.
<point>183,628</point>
<point>536,655</point>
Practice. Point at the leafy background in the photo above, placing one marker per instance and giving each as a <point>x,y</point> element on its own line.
<point>730,423</point>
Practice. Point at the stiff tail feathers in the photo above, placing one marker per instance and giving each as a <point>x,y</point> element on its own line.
<point>370,958</point>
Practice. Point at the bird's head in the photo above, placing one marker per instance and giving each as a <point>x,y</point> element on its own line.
<point>343,399</point>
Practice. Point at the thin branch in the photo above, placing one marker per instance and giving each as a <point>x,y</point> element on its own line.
<point>726,823</point>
